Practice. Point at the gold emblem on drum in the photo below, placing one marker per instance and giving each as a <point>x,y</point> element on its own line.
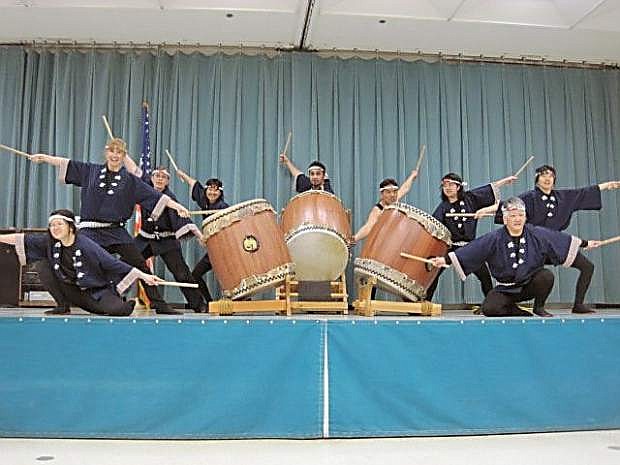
<point>250,244</point>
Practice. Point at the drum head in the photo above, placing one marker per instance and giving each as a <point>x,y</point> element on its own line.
<point>318,254</point>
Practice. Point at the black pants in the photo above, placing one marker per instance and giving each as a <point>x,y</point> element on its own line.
<point>483,274</point>
<point>504,304</point>
<point>201,268</point>
<point>66,295</point>
<point>130,254</point>
<point>586,270</point>
<point>173,259</point>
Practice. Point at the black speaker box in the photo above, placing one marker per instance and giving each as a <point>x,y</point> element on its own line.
<point>10,276</point>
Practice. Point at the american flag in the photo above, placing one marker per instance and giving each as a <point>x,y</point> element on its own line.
<point>145,155</point>
<point>145,161</point>
<point>145,166</point>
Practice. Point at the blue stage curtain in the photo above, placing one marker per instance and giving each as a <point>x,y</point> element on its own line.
<point>229,115</point>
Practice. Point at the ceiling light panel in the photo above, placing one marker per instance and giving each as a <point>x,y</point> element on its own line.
<point>437,9</point>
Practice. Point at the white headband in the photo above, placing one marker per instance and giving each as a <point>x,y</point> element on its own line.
<point>60,217</point>
<point>512,207</point>
<point>391,187</point>
<point>454,181</point>
<point>164,170</point>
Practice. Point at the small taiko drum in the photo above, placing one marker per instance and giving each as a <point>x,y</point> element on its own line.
<point>316,228</point>
<point>403,228</point>
<point>246,248</point>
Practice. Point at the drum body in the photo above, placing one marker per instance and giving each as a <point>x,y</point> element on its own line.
<point>316,227</point>
<point>246,248</point>
<point>403,228</point>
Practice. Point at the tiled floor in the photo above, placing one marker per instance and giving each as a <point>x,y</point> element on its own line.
<point>578,448</point>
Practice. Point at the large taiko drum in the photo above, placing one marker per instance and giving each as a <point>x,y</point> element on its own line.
<point>246,248</point>
<point>316,228</point>
<point>403,228</point>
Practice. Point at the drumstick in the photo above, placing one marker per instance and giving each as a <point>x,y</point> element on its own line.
<point>15,151</point>
<point>288,142</point>
<point>174,283</point>
<point>176,168</point>
<point>520,170</point>
<point>420,157</point>
<point>610,240</point>
<point>467,215</point>
<point>107,126</point>
<point>419,259</point>
<point>203,212</point>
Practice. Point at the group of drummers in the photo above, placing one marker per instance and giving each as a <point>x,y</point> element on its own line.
<point>92,262</point>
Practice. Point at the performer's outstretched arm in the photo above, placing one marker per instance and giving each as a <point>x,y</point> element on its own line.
<point>8,238</point>
<point>504,181</point>
<point>289,164</point>
<point>373,216</point>
<point>49,159</point>
<point>610,185</point>
<point>404,189</point>
<point>187,178</point>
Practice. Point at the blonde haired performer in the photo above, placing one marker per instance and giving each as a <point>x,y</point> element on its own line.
<point>109,193</point>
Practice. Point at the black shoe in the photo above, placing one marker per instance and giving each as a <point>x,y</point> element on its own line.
<point>60,310</point>
<point>542,312</point>
<point>165,309</point>
<point>202,308</point>
<point>581,308</point>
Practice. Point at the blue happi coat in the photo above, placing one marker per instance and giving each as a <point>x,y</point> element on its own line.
<point>513,261</point>
<point>554,210</point>
<point>163,233</point>
<point>95,269</point>
<point>109,197</point>
<point>464,229</point>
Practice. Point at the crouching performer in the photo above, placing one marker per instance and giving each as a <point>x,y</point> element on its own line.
<point>516,255</point>
<point>76,270</point>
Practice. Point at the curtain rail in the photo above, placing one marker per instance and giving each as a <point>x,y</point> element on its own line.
<point>331,53</point>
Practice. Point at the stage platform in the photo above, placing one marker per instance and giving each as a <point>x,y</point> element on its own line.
<point>309,376</point>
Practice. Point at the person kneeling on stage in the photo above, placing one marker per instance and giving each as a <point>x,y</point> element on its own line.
<point>516,255</point>
<point>75,269</point>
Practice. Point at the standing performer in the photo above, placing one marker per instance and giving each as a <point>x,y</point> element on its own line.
<point>516,255</point>
<point>208,197</point>
<point>161,237</point>
<point>553,209</point>
<point>109,193</point>
<point>462,229</point>
<point>316,179</point>
<point>389,193</point>
<point>75,269</point>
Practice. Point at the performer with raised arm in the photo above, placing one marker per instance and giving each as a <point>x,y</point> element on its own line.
<point>316,179</point>
<point>75,269</point>
<point>454,200</point>
<point>516,255</point>
<point>161,237</point>
<point>109,193</point>
<point>389,193</point>
<point>208,197</point>
<point>553,209</point>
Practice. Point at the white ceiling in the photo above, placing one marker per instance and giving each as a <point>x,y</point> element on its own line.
<point>555,29</point>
